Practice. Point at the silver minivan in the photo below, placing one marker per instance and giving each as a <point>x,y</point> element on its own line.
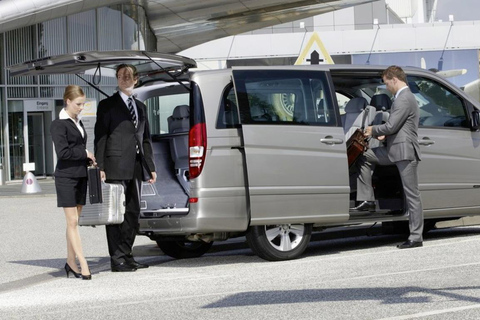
<point>261,151</point>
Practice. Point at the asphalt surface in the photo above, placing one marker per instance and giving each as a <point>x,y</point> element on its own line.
<point>13,189</point>
<point>351,277</point>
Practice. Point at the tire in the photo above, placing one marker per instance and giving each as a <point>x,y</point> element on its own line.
<point>279,242</point>
<point>184,249</point>
<point>283,104</point>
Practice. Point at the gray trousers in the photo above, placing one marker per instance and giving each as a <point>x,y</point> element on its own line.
<point>409,175</point>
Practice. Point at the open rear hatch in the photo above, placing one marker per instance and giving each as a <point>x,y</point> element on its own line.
<point>166,197</point>
<point>151,66</point>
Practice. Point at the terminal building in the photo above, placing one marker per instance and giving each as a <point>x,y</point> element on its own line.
<point>403,32</point>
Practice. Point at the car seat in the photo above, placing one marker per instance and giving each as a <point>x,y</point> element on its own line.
<point>354,111</point>
<point>382,104</point>
<point>179,122</point>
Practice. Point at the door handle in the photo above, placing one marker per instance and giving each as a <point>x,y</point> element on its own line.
<point>426,142</point>
<point>331,140</point>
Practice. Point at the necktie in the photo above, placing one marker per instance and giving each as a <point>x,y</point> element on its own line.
<point>132,111</point>
<point>134,117</point>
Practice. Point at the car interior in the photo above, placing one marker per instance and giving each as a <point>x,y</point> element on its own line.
<point>367,98</point>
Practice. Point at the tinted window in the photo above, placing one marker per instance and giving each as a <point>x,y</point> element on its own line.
<point>161,108</point>
<point>228,111</point>
<point>439,106</point>
<point>284,97</point>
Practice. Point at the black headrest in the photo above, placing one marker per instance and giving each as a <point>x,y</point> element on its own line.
<point>381,102</point>
<point>181,112</point>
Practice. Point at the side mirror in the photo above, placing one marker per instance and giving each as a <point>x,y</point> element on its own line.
<point>475,120</point>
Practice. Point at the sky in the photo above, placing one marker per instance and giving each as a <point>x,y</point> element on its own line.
<point>461,9</point>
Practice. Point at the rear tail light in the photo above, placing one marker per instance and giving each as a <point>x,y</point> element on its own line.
<point>197,146</point>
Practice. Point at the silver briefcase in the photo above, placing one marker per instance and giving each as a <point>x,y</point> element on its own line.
<point>110,211</point>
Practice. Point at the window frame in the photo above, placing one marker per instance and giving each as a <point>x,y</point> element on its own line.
<point>465,122</point>
<point>305,90</point>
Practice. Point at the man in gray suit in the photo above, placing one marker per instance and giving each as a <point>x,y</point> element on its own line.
<point>403,150</point>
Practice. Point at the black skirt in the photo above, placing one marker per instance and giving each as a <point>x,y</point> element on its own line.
<point>71,191</point>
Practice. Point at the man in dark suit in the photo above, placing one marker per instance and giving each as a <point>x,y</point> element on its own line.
<point>123,150</point>
<point>403,150</point>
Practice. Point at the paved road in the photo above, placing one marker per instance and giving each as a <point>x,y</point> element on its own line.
<point>349,278</point>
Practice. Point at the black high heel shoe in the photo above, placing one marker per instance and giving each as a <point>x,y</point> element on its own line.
<point>68,270</point>
<point>86,277</point>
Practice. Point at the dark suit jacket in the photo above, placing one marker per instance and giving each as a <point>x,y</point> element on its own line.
<point>115,143</point>
<point>401,128</point>
<point>70,147</point>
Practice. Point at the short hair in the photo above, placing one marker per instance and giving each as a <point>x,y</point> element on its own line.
<point>129,66</point>
<point>72,92</point>
<point>395,71</point>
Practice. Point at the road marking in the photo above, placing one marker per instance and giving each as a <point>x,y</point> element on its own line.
<point>432,313</point>
<point>412,271</point>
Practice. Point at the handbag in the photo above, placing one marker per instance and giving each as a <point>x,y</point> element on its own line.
<point>357,144</point>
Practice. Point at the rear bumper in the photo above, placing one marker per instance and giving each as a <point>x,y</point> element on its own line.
<point>209,215</point>
<point>187,225</point>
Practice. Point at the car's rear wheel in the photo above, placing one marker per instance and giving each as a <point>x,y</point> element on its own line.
<point>279,242</point>
<point>184,249</point>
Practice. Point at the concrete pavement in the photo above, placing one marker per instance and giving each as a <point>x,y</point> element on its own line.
<point>354,277</point>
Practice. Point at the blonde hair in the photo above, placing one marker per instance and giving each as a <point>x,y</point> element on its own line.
<point>72,92</point>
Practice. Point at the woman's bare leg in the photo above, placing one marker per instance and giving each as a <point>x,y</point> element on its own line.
<point>73,239</point>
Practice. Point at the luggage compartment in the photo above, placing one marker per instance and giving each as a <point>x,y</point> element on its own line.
<point>169,195</point>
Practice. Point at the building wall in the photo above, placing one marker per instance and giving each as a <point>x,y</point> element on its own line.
<point>24,131</point>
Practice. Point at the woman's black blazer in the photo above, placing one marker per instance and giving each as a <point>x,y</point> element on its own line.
<point>70,147</point>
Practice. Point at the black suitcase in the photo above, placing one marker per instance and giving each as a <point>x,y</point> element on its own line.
<point>94,185</point>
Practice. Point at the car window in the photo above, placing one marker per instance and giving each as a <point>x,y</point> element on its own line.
<point>284,97</point>
<point>439,106</point>
<point>161,108</point>
<point>228,111</point>
<point>342,101</point>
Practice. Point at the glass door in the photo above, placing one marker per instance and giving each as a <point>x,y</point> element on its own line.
<point>36,142</point>
<point>16,144</point>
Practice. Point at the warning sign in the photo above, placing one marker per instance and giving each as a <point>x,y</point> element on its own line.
<point>314,52</point>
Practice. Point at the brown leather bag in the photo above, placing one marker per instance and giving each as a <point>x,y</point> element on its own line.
<point>356,145</point>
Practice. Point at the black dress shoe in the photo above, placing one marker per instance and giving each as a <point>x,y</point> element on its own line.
<point>410,244</point>
<point>123,267</point>
<point>365,206</point>
<point>137,265</point>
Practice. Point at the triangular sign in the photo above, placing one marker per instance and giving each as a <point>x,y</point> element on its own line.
<point>314,52</point>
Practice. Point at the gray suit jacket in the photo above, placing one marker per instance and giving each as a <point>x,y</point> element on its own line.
<point>401,128</point>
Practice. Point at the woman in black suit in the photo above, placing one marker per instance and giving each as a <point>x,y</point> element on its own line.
<point>70,139</point>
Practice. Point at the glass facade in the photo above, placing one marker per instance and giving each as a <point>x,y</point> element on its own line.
<point>3,141</point>
<point>24,134</point>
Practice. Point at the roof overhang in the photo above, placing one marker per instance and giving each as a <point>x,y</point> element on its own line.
<point>179,25</point>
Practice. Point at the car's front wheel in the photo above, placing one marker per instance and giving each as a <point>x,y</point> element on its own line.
<point>279,242</point>
<point>184,249</point>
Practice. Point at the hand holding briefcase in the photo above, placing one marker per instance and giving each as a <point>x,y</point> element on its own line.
<point>356,145</point>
